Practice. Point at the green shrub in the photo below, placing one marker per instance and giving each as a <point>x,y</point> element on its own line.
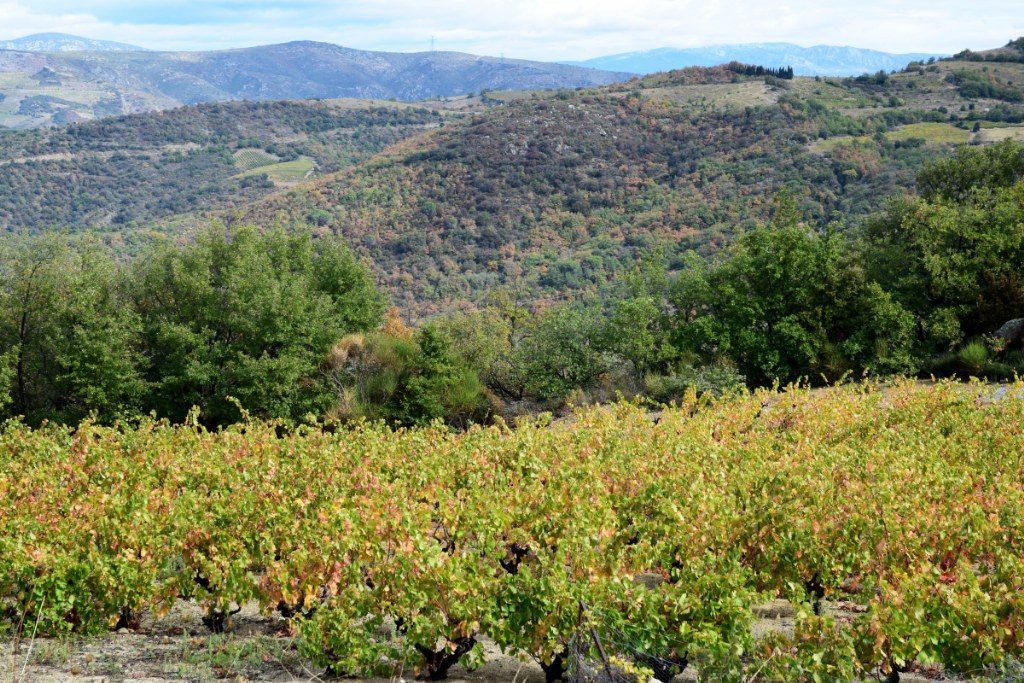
<point>974,358</point>
<point>714,380</point>
<point>404,378</point>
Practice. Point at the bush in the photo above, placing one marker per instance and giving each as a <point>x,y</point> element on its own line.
<point>714,380</point>
<point>974,358</point>
<point>404,378</point>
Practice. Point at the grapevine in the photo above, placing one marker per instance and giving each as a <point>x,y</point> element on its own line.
<point>396,551</point>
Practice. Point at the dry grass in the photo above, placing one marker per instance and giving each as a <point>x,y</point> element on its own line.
<point>745,94</point>
<point>989,135</point>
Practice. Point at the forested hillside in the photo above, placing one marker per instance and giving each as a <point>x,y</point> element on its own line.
<point>291,327</point>
<point>136,170</point>
<point>557,192</point>
<point>551,192</point>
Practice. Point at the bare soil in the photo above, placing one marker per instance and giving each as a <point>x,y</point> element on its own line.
<point>178,647</point>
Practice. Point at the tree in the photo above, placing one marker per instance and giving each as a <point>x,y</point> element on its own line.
<point>638,325</point>
<point>490,340</point>
<point>562,352</point>
<point>249,317</point>
<point>972,169</point>
<point>787,303</point>
<point>72,344</point>
<point>7,376</point>
<point>486,340</point>
<point>952,256</point>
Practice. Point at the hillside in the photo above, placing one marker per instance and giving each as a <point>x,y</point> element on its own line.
<point>43,88</point>
<point>558,192</point>
<point>819,60</point>
<point>555,192</point>
<point>142,168</point>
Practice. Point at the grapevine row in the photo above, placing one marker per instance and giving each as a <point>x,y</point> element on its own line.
<point>396,550</point>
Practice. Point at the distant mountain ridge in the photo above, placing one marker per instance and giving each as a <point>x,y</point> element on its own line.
<point>819,60</point>
<point>65,42</point>
<point>307,69</point>
<point>133,82</point>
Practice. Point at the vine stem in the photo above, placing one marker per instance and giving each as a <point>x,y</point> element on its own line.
<point>597,644</point>
<point>32,640</point>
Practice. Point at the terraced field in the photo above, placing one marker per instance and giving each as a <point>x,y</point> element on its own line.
<point>931,133</point>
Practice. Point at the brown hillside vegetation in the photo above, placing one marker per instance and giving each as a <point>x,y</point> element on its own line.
<point>561,191</point>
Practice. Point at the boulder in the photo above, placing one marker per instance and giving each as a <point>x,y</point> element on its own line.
<point>1012,332</point>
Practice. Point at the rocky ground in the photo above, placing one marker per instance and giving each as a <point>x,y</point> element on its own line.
<point>179,648</point>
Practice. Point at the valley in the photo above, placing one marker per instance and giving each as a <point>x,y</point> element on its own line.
<point>318,363</point>
<point>555,191</point>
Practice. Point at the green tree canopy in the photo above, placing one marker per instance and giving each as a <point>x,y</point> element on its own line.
<point>788,302</point>
<point>953,256</point>
<point>70,346</point>
<point>250,317</point>
<point>972,169</point>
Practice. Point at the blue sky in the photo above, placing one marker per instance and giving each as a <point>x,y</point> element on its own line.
<point>535,29</point>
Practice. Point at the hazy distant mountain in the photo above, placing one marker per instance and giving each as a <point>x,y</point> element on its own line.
<point>820,60</point>
<point>310,69</point>
<point>63,42</point>
<point>130,82</point>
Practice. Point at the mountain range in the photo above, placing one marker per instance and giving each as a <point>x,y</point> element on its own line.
<point>819,60</point>
<point>64,42</point>
<point>56,78</point>
<point>42,88</point>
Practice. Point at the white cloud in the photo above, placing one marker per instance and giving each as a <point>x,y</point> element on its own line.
<point>541,29</point>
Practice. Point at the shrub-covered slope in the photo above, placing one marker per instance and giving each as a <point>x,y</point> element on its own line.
<point>560,192</point>
<point>142,168</point>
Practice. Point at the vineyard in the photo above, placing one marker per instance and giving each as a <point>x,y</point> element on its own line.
<point>250,158</point>
<point>284,172</point>
<point>396,552</point>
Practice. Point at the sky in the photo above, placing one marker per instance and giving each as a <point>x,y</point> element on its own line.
<point>529,29</point>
